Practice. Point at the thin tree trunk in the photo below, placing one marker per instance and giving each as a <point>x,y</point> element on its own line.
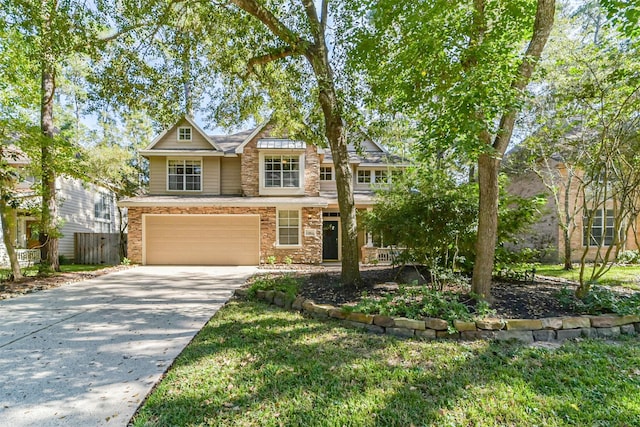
<point>48,234</point>
<point>8,224</point>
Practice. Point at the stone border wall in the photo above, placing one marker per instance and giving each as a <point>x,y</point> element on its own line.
<point>556,329</point>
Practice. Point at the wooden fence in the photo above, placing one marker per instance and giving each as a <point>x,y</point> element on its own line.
<point>98,248</point>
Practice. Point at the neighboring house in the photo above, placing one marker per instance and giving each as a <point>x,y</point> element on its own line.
<point>547,235</point>
<point>244,199</point>
<point>82,208</point>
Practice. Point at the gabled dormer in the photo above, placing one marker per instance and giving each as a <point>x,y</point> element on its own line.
<point>184,160</point>
<point>273,165</point>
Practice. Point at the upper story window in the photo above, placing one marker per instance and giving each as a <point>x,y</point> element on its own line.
<point>364,176</point>
<point>381,176</point>
<point>282,171</point>
<point>184,175</point>
<point>102,207</point>
<point>184,133</point>
<point>602,228</point>
<point>326,173</point>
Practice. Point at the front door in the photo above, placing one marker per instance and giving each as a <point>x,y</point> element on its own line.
<point>330,235</point>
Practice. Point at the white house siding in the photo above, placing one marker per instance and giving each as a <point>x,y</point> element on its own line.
<point>76,210</point>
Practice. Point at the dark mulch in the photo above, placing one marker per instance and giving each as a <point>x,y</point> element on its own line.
<point>511,299</point>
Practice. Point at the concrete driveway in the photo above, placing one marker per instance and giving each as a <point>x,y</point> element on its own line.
<point>86,354</point>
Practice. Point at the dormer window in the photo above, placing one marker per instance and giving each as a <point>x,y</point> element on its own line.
<point>282,171</point>
<point>281,167</point>
<point>184,133</point>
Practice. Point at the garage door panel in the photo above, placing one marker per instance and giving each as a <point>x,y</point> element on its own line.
<point>202,240</point>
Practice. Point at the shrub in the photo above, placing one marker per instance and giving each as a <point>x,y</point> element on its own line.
<point>628,257</point>
<point>286,283</point>
<point>601,300</point>
<point>419,302</point>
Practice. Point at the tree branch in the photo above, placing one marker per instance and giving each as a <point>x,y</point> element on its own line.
<point>270,57</point>
<point>277,27</point>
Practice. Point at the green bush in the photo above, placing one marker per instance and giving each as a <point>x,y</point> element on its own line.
<point>285,283</point>
<point>601,300</point>
<point>628,257</point>
<point>419,302</point>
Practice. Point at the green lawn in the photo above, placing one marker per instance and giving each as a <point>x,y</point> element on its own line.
<point>66,268</point>
<point>619,275</point>
<point>255,365</point>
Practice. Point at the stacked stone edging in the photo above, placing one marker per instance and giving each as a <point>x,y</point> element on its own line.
<point>524,330</point>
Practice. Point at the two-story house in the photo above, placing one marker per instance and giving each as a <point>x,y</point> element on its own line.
<point>82,208</point>
<point>245,199</point>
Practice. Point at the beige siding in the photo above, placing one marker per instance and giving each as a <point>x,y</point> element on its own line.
<point>170,140</point>
<point>157,175</point>
<point>231,182</point>
<point>328,186</point>
<point>211,175</point>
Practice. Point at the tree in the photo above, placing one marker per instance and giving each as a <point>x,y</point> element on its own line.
<point>113,160</point>
<point>16,99</point>
<point>460,69</point>
<point>587,123</point>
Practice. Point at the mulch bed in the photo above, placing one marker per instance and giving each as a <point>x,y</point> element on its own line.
<point>34,284</point>
<point>512,299</point>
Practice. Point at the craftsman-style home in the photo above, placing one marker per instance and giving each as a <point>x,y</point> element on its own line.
<point>248,198</point>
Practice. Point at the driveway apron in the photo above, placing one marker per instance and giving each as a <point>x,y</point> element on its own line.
<point>86,354</point>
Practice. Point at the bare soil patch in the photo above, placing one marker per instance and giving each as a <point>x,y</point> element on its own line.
<point>34,284</point>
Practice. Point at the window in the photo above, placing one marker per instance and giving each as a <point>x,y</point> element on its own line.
<point>326,173</point>
<point>184,175</point>
<point>382,177</point>
<point>184,134</point>
<point>600,235</point>
<point>288,228</point>
<point>102,207</point>
<point>364,177</point>
<point>281,171</point>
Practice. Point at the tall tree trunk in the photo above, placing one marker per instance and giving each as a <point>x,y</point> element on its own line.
<point>335,134</point>
<point>8,224</point>
<point>488,170</point>
<point>489,162</point>
<point>48,233</point>
<point>566,234</point>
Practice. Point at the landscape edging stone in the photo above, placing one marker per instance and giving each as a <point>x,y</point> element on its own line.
<point>549,329</point>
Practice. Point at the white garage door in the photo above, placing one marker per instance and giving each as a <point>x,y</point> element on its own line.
<point>201,239</point>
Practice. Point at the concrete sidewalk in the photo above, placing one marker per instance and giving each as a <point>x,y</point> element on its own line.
<point>86,354</point>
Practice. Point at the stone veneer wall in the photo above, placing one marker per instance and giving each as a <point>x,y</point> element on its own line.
<point>524,330</point>
<point>250,169</point>
<point>310,252</point>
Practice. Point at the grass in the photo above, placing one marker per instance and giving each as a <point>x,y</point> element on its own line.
<point>32,271</point>
<point>254,365</point>
<point>620,275</point>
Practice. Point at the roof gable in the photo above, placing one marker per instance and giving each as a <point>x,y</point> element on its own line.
<point>200,140</point>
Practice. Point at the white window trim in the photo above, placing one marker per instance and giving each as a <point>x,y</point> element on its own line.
<point>166,174</point>
<point>109,205</point>
<point>333,174</point>
<point>190,134</point>
<point>358,177</point>
<point>281,191</point>
<point>593,240</point>
<point>285,246</point>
